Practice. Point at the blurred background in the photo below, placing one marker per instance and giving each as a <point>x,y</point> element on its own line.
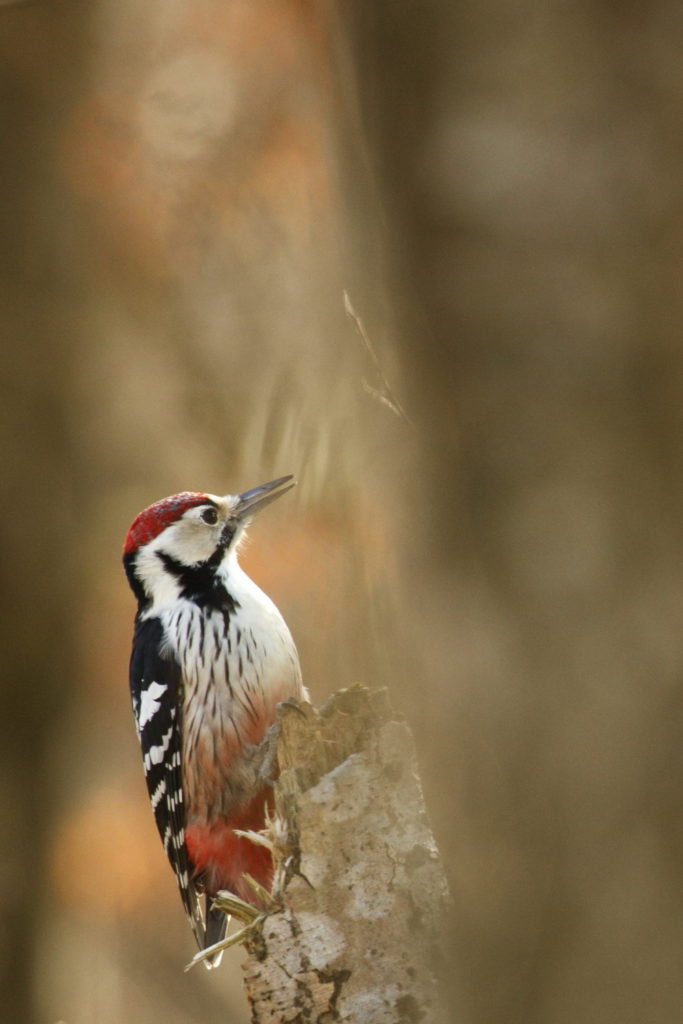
<point>488,517</point>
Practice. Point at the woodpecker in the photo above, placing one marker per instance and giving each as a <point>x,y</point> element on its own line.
<point>212,657</point>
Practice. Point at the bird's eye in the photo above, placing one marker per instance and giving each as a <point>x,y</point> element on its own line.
<point>210,516</point>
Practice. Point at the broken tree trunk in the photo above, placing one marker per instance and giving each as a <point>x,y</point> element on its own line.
<point>359,887</point>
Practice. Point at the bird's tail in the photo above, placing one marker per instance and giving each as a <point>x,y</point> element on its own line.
<point>216,924</point>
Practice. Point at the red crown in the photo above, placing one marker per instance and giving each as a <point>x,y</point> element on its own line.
<point>152,521</point>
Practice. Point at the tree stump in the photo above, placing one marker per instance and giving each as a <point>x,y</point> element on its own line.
<point>359,885</point>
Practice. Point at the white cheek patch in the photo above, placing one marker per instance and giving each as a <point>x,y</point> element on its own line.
<point>191,541</point>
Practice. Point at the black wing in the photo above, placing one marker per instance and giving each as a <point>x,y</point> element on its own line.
<point>156,690</point>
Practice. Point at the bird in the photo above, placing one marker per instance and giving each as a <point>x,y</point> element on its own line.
<point>211,659</point>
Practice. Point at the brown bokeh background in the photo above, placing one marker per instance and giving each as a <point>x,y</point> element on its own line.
<point>188,190</point>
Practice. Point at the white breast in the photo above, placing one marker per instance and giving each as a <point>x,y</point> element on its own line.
<point>236,668</point>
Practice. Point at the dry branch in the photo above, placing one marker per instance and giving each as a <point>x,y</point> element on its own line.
<point>359,884</point>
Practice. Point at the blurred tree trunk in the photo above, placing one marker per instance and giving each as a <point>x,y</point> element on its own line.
<point>40,562</point>
<point>530,161</point>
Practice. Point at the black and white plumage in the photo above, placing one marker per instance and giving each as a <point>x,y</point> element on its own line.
<point>212,657</point>
<point>157,709</point>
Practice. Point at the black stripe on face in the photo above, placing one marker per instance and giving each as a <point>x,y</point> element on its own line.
<point>199,583</point>
<point>135,584</point>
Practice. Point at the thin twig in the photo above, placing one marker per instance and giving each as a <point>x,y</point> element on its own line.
<point>384,394</point>
<point>226,943</point>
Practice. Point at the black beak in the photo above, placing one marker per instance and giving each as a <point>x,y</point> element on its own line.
<point>258,497</point>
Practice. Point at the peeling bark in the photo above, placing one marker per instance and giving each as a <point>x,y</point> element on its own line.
<point>359,884</point>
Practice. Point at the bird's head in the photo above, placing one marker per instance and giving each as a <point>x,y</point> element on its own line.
<point>188,534</point>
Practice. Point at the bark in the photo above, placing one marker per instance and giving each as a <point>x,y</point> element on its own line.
<point>40,551</point>
<point>359,881</point>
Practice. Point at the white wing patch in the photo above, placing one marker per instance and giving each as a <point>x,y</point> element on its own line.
<point>159,792</point>
<point>155,755</point>
<point>149,703</point>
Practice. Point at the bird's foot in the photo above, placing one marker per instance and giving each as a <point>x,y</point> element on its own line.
<point>267,900</point>
<point>231,904</point>
<point>257,838</point>
<point>293,704</point>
